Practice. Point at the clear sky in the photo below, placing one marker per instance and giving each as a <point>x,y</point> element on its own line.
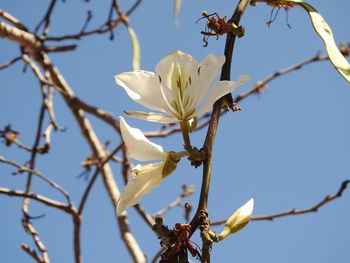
<point>287,148</point>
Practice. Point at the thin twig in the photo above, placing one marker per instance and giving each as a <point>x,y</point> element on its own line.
<point>31,252</point>
<point>157,255</point>
<point>46,19</point>
<point>42,199</point>
<point>148,218</point>
<point>133,8</point>
<point>107,27</point>
<point>292,212</point>
<point>21,169</point>
<point>10,63</point>
<point>25,204</point>
<point>186,191</point>
<point>49,104</point>
<point>258,86</point>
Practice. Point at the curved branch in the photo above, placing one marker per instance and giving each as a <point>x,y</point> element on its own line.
<point>42,199</point>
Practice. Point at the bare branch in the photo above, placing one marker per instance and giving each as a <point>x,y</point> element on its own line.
<point>60,48</point>
<point>77,103</point>
<point>13,20</point>
<point>157,255</point>
<point>46,19</point>
<point>109,26</point>
<point>257,88</point>
<point>31,252</point>
<point>186,191</point>
<point>133,8</point>
<point>40,245</point>
<point>10,63</point>
<point>21,169</point>
<point>292,212</point>
<point>42,199</point>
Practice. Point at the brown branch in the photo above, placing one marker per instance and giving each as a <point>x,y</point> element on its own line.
<point>50,108</point>
<point>211,132</point>
<point>42,199</point>
<point>21,169</point>
<point>214,121</point>
<point>40,245</point>
<point>46,19</point>
<point>13,20</point>
<point>144,215</point>
<point>60,48</point>
<point>77,103</point>
<point>25,204</point>
<point>106,27</point>
<point>259,86</point>
<point>94,177</point>
<point>292,212</point>
<point>31,252</point>
<point>36,51</point>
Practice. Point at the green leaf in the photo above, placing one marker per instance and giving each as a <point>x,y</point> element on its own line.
<point>135,48</point>
<point>324,31</point>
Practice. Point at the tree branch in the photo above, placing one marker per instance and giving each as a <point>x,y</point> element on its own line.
<point>36,50</point>
<point>42,199</point>
<point>292,212</point>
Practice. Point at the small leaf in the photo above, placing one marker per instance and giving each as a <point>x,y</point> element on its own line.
<point>135,48</point>
<point>324,31</point>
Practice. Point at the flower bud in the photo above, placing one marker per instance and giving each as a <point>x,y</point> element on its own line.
<point>170,164</point>
<point>238,220</point>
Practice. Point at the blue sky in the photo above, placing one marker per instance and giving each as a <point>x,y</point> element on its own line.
<point>287,148</point>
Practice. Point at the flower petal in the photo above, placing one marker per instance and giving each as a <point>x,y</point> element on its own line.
<point>174,67</point>
<point>147,177</point>
<point>138,146</point>
<point>220,89</point>
<point>144,88</point>
<point>151,116</point>
<point>208,69</point>
<point>174,61</point>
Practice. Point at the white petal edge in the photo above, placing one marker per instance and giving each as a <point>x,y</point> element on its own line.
<point>151,116</point>
<point>138,146</point>
<point>140,185</point>
<point>143,87</point>
<point>204,77</point>
<point>220,89</point>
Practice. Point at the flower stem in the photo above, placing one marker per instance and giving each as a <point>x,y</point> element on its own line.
<point>186,135</point>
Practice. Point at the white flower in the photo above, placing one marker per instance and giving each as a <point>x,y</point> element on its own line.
<point>145,177</point>
<point>238,220</point>
<point>177,88</point>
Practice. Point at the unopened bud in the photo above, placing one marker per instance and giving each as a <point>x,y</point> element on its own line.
<point>238,220</point>
<point>170,164</point>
